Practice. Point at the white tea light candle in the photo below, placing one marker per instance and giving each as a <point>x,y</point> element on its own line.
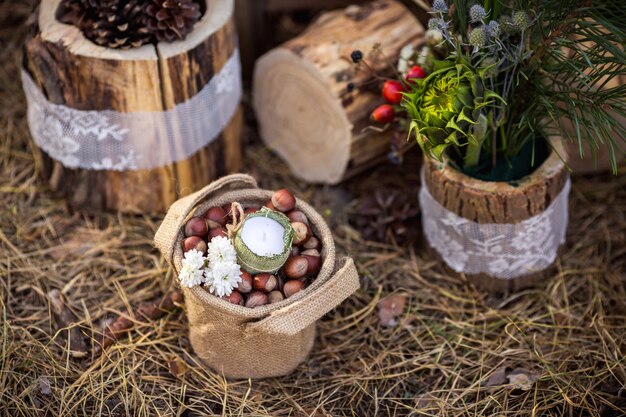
<point>263,235</point>
<point>263,241</point>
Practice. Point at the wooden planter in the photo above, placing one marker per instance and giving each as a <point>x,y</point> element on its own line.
<point>471,201</point>
<point>74,72</point>
<point>300,95</point>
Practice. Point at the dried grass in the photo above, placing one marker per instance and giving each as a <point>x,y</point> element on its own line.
<point>448,355</point>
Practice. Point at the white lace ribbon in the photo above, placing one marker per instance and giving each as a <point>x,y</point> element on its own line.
<point>503,251</point>
<point>112,140</point>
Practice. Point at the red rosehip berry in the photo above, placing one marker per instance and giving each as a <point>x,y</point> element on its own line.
<point>383,114</point>
<point>392,91</point>
<point>414,72</point>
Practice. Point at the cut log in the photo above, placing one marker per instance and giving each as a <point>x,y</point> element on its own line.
<point>300,95</point>
<point>74,72</point>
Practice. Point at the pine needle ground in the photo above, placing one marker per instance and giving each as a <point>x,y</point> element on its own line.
<point>453,351</point>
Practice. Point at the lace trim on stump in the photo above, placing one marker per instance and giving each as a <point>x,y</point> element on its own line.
<point>503,251</point>
<point>112,140</point>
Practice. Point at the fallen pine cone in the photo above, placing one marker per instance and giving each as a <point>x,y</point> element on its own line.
<point>386,216</point>
<point>150,311</point>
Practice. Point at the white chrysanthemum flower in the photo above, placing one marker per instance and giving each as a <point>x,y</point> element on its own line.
<point>222,277</point>
<point>221,249</point>
<point>191,273</point>
<point>194,258</point>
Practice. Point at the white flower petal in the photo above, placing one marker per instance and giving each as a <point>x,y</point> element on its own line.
<point>220,249</point>
<point>222,277</point>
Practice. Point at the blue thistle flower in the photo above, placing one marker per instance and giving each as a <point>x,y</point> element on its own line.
<point>437,24</point>
<point>493,28</point>
<point>521,21</point>
<point>440,6</point>
<point>506,24</point>
<point>477,13</point>
<point>478,37</point>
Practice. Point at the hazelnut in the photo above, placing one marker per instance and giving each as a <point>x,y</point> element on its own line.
<point>275,297</point>
<point>245,286</point>
<point>312,243</point>
<point>281,282</point>
<point>270,206</point>
<point>298,216</point>
<point>257,298</point>
<point>251,210</point>
<point>234,298</point>
<point>283,200</point>
<point>265,282</point>
<point>314,260</point>
<point>218,231</point>
<point>301,234</point>
<point>194,242</point>
<point>196,226</point>
<point>294,251</point>
<point>296,266</point>
<point>216,217</point>
<point>292,287</point>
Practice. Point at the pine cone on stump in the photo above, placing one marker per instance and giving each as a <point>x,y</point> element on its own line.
<point>73,12</point>
<point>171,20</point>
<point>127,24</point>
<point>118,24</point>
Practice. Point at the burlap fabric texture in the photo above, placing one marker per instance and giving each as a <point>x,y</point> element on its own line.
<point>265,341</point>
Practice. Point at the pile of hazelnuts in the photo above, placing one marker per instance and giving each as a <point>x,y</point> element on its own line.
<point>297,273</point>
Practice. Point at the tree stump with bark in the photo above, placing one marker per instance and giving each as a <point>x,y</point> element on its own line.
<point>72,71</point>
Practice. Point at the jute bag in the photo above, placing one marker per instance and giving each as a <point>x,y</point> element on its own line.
<point>265,341</point>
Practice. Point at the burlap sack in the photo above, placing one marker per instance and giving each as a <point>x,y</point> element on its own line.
<point>265,341</point>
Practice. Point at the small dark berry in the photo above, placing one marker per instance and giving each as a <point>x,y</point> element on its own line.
<point>394,158</point>
<point>356,56</point>
<point>350,87</point>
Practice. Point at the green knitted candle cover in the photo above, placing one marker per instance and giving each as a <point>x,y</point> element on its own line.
<point>256,264</point>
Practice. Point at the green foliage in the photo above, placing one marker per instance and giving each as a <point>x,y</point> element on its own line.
<point>447,108</point>
<point>550,63</point>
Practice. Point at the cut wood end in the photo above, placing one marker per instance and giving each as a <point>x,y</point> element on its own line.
<point>300,118</point>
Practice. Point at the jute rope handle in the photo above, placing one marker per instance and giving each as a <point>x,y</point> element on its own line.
<point>165,238</point>
<point>295,317</point>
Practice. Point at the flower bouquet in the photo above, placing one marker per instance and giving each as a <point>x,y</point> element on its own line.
<point>500,83</point>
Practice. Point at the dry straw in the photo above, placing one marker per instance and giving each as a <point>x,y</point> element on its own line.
<point>266,341</point>
<point>447,345</point>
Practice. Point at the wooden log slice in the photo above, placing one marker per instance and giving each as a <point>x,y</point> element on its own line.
<point>300,96</point>
<point>487,202</point>
<point>72,71</point>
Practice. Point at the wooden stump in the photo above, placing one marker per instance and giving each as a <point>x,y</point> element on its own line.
<point>487,202</point>
<point>300,95</point>
<point>72,71</point>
